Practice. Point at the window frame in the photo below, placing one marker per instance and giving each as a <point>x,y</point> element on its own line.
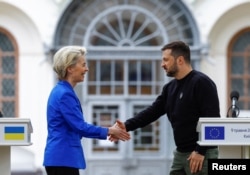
<point>15,54</point>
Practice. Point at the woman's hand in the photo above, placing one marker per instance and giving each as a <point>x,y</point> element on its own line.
<point>118,132</point>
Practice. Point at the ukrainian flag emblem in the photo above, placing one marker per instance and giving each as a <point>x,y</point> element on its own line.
<point>14,132</point>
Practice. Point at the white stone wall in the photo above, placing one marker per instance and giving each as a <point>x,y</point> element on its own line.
<point>25,21</point>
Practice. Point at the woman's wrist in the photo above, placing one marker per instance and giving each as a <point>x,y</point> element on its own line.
<point>110,131</point>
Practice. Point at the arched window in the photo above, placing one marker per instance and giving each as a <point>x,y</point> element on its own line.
<point>123,39</point>
<point>239,67</point>
<point>119,28</point>
<point>8,75</point>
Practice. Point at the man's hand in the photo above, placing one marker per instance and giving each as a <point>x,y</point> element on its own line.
<point>118,132</point>
<point>195,162</point>
<point>120,124</point>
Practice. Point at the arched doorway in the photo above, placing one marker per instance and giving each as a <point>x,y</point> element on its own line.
<point>123,39</point>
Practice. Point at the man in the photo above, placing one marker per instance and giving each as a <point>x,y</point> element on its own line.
<point>190,95</point>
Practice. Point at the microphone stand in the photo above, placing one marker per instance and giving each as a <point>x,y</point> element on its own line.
<point>234,113</point>
<point>235,110</point>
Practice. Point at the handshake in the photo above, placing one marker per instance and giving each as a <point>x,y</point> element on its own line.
<point>118,132</point>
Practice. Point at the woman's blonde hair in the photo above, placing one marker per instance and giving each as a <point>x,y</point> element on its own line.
<point>65,57</point>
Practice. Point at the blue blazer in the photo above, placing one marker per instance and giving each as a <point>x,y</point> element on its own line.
<point>66,127</point>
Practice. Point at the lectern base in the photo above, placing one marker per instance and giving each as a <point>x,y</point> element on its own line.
<point>5,160</point>
<point>234,152</point>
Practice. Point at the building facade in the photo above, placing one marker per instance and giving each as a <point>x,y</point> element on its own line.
<point>124,40</point>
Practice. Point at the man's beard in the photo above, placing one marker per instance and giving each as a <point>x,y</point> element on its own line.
<point>172,70</point>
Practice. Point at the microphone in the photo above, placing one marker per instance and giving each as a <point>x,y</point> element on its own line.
<point>234,98</point>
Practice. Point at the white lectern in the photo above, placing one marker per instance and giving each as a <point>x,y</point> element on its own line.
<point>226,132</point>
<point>13,132</point>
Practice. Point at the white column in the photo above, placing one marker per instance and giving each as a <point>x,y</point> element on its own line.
<point>5,160</point>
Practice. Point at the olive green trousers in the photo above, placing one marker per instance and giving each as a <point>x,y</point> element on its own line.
<point>180,164</point>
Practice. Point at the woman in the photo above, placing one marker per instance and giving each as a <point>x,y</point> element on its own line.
<point>65,120</point>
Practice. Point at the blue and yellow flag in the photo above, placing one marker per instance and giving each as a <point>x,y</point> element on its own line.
<point>14,132</point>
<point>214,133</point>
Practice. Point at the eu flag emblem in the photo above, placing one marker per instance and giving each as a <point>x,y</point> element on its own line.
<point>214,133</point>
